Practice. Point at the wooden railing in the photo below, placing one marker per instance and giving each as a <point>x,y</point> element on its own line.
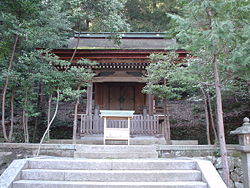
<point>140,125</point>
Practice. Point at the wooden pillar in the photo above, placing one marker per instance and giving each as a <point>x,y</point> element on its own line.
<point>150,104</point>
<point>104,130</point>
<point>144,111</point>
<point>97,110</point>
<point>89,99</point>
<point>129,119</point>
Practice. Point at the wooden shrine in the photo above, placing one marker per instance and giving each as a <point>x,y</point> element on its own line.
<point>118,80</point>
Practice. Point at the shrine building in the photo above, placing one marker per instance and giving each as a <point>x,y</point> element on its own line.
<point>118,80</point>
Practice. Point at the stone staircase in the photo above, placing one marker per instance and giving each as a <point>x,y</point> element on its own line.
<point>81,173</point>
<point>111,166</point>
<point>115,151</point>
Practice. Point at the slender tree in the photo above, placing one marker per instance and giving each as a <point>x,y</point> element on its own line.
<point>158,77</point>
<point>20,34</point>
<point>196,78</point>
<point>215,28</point>
<point>80,78</point>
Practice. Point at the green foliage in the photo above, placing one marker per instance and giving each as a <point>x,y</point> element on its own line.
<point>228,28</point>
<point>61,130</point>
<point>189,133</point>
<point>109,16</point>
<point>78,78</point>
<point>96,15</point>
<point>35,24</point>
<point>195,74</point>
<point>215,32</point>
<point>50,29</point>
<point>150,15</point>
<point>160,75</point>
<point>4,49</point>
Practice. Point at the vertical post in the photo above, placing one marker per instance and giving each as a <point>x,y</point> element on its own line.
<point>89,107</point>
<point>144,111</point>
<point>129,129</point>
<point>96,125</point>
<point>89,99</point>
<point>244,147</point>
<point>150,103</point>
<point>97,110</point>
<point>82,129</point>
<point>104,131</point>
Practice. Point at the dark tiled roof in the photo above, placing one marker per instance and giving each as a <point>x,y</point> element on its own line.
<point>132,35</point>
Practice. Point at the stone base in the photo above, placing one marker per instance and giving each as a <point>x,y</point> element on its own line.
<point>134,140</point>
<point>98,140</point>
<point>184,142</point>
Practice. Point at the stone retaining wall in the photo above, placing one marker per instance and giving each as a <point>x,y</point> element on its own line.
<point>211,153</point>
<point>12,151</point>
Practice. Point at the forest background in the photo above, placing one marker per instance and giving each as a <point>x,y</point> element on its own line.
<point>27,78</point>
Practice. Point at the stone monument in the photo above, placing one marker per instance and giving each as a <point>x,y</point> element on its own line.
<point>244,147</point>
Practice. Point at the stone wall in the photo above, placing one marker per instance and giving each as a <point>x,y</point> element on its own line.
<point>210,153</point>
<point>12,151</point>
<point>236,173</point>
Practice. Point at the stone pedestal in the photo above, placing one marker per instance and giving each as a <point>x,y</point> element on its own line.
<point>244,147</point>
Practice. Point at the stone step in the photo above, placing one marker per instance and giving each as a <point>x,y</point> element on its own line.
<point>112,164</point>
<point>98,140</point>
<point>78,184</point>
<point>112,175</point>
<point>115,148</point>
<point>115,151</point>
<point>115,155</point>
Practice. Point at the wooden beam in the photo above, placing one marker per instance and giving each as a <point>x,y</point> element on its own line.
<point>106,57</point>
<point>93,51</point>
<point>119,79</point>
<point>117,53</point>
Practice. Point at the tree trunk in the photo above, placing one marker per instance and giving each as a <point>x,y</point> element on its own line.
<point>27,130</point>
<point>77,43</point>
<point>166,122</point>
<point>87,25</point>
<point>49,113</point>
<point>207,116</point>
<point>25,122</point>
<point>40,107</point>
<point>35,130</point>
<point>51,121</point>
<point>6,86</point>
<point>25,127</point>
<point>212,118</point>
<point>11,113</point>
<point>3,109</point>
<point>220,123</point>
<point>75,117</point>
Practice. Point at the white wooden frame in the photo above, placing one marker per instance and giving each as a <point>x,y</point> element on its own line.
<point>116,133</point>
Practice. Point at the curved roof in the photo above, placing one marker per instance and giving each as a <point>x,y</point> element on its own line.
<point>132,40</point>
<point>137,35</point>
